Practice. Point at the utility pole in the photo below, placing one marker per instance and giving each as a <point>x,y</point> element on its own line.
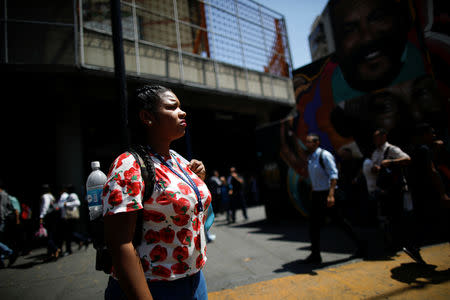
<point>119,70</point>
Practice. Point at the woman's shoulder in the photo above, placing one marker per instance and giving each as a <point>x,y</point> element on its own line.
<point>124,161</point>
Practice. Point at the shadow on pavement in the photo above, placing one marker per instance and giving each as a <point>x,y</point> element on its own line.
<point>414,273</point>
<point>417,277</point>
<point>333,240</point>
<point>32,261</point>
<point>299,267</point>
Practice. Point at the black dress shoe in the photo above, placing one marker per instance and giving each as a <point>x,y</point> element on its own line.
<point>414,254</point>
<point>314,259</point>
<point>12,258</point>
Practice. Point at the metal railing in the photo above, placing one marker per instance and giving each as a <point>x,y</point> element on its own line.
<point>216,44</point>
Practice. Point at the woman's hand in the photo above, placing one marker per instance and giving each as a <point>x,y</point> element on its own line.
<point>198,168</point>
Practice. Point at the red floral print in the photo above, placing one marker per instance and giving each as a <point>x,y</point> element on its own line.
<point>180,268</point>
<point>197,242</point>
<point>145,264</point>
<point>152,237</point>
<point>185,236</point>
<point>162,176</point>
<point>180,220</point>
<point>199,262</point>
<point>161,271</point>
<point>196,224</point>
<point>134,188</point>
<point>180,253</point>
<point>105,191</point>
<point>181,206</point>
<point>132,206</point>
<point>120,159</point>
<point>167,235</point>
<point>184,188</point>
<point>158,254</point>
<point>153,215</point>
<point>115,198</point>
<point>166,198</point>
<point>198,181</point>
<point>132,174</point>
<point>172,228</point>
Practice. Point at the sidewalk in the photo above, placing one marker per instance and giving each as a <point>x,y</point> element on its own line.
<point>399,278</point>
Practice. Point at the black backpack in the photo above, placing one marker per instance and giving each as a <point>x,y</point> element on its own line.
<point>103,259</point>
<point>390,178</point>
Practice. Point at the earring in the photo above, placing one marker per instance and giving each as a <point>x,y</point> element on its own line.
<point>149,122</point>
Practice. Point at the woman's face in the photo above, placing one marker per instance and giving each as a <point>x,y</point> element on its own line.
<point>169,118</point>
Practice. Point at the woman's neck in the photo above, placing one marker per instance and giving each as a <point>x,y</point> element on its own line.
<point>159,146</point>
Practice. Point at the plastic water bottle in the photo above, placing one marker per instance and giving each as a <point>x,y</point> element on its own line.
<point>94,187</point>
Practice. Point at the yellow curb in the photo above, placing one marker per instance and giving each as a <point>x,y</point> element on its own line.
<point>399,278</point>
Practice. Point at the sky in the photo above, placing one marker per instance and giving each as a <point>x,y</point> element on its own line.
<point>299,15</point>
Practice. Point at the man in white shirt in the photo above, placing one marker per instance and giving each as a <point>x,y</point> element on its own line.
<point>323,175</point>
<point>390,198</point>
<point>68,201</point>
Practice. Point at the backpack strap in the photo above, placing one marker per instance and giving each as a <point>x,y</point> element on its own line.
<point>386,152</point>
<point>321,163</point>
<point>148,176</point>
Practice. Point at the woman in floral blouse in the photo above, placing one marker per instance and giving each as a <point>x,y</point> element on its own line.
<point>168,262</point>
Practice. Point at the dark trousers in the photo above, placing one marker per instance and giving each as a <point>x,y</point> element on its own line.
<point>238,201</point>
<point>68,230</point>
<point>319,210</point>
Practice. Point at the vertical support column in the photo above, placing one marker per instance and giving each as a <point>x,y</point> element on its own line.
<point>177,26</point>
<point>80,9</point>
<point>119,69</point>
<point>5,17</point>
<point>75,32</point>
<point>216,68</point>
<point>241,42</point>
<point>136,39</point>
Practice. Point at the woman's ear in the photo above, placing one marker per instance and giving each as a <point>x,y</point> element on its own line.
<point>146,117</point>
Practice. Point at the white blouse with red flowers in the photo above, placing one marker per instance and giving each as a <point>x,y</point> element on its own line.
<point>173,240</point>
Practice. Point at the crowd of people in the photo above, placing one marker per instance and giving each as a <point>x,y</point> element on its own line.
<point>230,193</point>
<point>57,228</point>
<point>403,190</point>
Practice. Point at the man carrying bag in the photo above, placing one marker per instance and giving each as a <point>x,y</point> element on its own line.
<point>389,162</point>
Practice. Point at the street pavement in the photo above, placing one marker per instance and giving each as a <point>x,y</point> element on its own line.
<point>256,260</point>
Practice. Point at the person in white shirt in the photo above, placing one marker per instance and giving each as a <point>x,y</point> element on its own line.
<point>390,198</point>
<point>50,216</point>
<point>323,174</point>
<point>68,202</point>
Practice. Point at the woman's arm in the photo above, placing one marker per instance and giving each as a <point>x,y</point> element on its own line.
<point>119,232</point>
<point>75,201</point>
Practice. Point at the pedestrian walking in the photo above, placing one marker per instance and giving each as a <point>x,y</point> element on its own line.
<point>170,258</point>
<point>27,228</point>
<point>226,190</point>
<point>373,212</point>
<point>428,192</point>
<point>50,218</point>
<point>8,222</point>
<point>237,196</point>
<point>388,163</point>
<point>214,185</point>
<point>324,175</point>
<point>69,204</point>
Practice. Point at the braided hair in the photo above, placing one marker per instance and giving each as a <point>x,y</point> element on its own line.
<point>147,98</point>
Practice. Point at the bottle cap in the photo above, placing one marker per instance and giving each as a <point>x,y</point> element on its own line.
<point>95,165</point>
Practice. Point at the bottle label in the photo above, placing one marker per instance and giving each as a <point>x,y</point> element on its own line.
<point>94,197</point>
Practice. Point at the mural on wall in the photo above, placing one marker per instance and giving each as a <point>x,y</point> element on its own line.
<point>389,70</point>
